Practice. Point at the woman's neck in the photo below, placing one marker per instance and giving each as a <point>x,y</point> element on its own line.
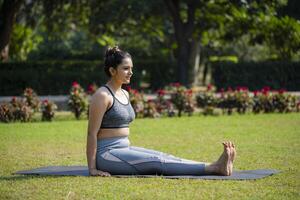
<point>114,85</point>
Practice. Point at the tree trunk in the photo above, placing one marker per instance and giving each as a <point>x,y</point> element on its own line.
<point>195,57</point>
<point>183,34</point>
<point>8,13</point>
<point>183,62</point>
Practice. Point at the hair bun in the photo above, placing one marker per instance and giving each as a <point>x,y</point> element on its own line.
<point>112,51</point>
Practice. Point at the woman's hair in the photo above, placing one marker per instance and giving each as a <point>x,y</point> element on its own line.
<point>113,57</point>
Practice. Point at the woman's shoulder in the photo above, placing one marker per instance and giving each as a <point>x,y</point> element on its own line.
<point>102,93</point>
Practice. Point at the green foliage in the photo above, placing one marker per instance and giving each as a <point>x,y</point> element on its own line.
<point>6,113</point>
<point>55,77</point>
<point>256,75</point>
<point>31,99</point>
<point>20,110</point>
<point>24,40</point>
<point>268,101</point>
<point>51,77</point>
<point>77,100</point>
<point>282,35</point>
<point>182,98</point>
<point>48,110</point>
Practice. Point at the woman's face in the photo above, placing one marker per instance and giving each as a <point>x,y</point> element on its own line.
<point>123,72</point>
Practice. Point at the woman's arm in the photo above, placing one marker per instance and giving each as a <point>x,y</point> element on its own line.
<point>98,106</point>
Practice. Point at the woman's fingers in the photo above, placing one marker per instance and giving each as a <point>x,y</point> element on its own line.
<point>104,174</point>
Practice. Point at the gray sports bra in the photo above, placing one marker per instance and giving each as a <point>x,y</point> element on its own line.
<point>119,115</point>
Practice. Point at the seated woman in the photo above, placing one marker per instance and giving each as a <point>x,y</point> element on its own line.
<point>108,148</point>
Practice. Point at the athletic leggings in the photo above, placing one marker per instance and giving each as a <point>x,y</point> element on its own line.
<point>116,156</point>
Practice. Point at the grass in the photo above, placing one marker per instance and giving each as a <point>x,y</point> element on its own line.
<point>269,141</point>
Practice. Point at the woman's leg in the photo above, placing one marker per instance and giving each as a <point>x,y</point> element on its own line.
<point>137,160</point>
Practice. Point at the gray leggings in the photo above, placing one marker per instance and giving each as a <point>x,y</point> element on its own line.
<point>116,156</point>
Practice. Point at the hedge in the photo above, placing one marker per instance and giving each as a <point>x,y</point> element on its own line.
<point>56,77</point>
<point>255,76</point>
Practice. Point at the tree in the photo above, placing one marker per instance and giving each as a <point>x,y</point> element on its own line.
<point>8,13</point>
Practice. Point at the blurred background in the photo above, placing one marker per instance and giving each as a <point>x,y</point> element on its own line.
<point>47,45</point>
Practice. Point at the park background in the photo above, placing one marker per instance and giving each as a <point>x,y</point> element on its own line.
<point>199,60</point>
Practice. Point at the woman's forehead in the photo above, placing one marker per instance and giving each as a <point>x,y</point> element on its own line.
<point>127,62</point>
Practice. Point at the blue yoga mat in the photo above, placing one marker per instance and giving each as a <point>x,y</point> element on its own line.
<point>83,171</point>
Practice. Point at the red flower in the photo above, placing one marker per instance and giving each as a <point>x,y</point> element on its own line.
<point>128,88</point>
<point>229,89</point>
<point>265,92</point>
<point>133,91</point>
<point>266,88</point>
<point>256,92</point>
<point>75,84</point>
<point>45,101</point>
<point>161,92</point>
<point>189,92</point>
<point>281,91</point>
<point>90,88</point>
<point>209,87</point>
<point>176,84</point>
<point>238,88</point>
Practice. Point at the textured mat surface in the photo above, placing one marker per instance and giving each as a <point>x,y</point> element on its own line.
<point>83,171</point>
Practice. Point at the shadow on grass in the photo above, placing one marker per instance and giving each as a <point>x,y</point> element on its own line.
<point>26,177</point>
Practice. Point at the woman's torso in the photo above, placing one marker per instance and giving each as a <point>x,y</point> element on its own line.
<point>117,118</point>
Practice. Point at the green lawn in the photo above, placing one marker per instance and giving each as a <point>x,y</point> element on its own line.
<point>267,141</point>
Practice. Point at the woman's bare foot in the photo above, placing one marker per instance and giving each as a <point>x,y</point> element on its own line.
<point>224,164</point>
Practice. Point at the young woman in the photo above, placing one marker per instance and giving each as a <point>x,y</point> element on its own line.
<point>108,148</point>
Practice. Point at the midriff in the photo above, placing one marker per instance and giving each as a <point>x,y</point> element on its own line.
<point>112,132</point>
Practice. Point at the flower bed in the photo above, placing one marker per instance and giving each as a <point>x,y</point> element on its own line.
<point>174,99</point>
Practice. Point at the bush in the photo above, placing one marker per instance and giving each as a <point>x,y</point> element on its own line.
<point>207,100</point>
<point>31,99</point>
<point>77,100</point>
<point>182,98</point>
<point>268,101</point>
<point>48,108</point>
<point>6,114</point>
<point>20,110</point>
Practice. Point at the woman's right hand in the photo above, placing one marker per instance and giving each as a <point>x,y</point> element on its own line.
<point>95,172</point>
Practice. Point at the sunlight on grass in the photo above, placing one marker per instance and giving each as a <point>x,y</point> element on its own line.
<point>269,141</point>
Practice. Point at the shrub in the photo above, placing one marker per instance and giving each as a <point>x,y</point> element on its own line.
<point>6,114</point>
<point>137,101</point>
<point>163,105</point>
<point>182,98</point>
<point>48,109</point>
<point>31,99</point>
<point>21,111</point>
<point>77,100</point>
<point>207,100</point>
<point>227,101</point>
<point>243,100</point>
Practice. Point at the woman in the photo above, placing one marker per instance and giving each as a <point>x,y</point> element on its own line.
<point>108,148</point>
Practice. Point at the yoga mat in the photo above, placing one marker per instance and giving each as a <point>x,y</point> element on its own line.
<point>83,171</point>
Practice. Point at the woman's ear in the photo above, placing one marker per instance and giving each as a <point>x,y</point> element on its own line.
<point>112,71</point>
